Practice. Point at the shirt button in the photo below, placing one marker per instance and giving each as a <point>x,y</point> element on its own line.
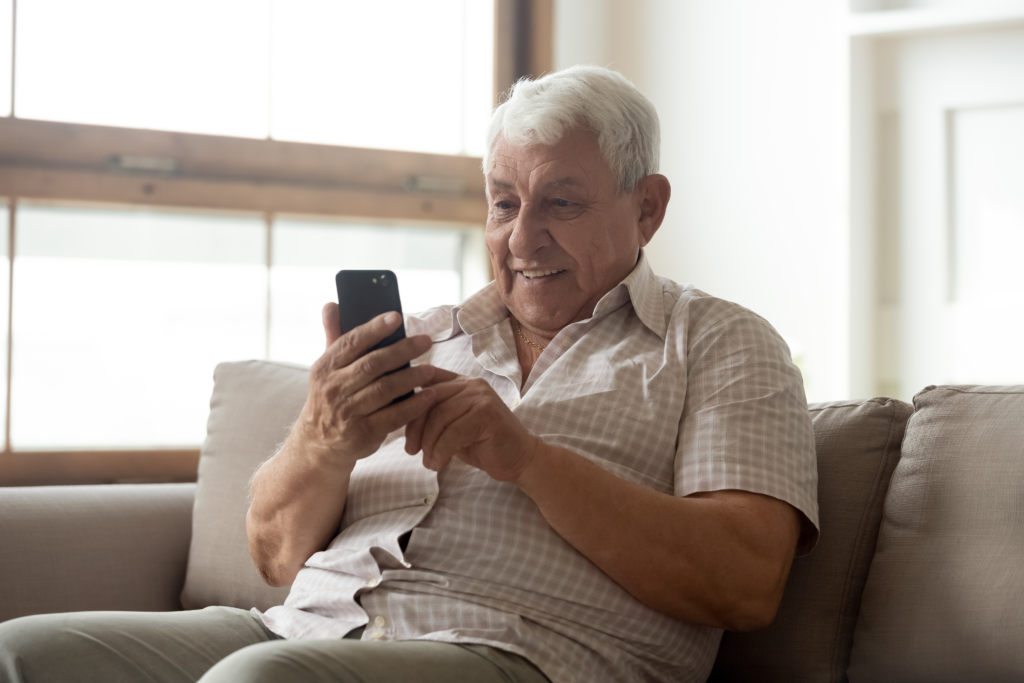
<point>406,564</point>
<point>376,635</point>
<point>515,402</point>
<point>380,622</point>
<point>430,499</point>
<point>372,582</point>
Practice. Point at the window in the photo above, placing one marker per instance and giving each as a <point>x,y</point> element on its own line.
<point>436,266</point>
<point>181,192</point>
<point>400,74</point>
<point>6,55</point>
<point>430,77</point>
<point>120,317</point>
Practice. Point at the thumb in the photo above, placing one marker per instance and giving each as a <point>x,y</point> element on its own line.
<point>332,322</point>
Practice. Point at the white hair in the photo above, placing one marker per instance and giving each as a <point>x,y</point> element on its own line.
<point>591,97</point>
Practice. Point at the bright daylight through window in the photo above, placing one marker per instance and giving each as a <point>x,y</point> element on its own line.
<point>127,308</point>
<point>401,74</point>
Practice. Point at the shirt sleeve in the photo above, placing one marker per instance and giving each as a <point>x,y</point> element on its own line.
<point>745,423</point>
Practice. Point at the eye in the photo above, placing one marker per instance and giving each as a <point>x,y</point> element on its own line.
<point>562,203</point>
<point>503,205</point>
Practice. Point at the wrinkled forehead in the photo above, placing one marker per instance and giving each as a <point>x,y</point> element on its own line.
<point>573,160</point>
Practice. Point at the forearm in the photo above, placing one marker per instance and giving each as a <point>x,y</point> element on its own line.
<point>697,559</point>
<point>297,501</point>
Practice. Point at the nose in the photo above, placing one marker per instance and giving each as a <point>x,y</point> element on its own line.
<point>529,232</point>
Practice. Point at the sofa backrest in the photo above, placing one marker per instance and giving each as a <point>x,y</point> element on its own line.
<point>858,447</point>
<point>944,600</point>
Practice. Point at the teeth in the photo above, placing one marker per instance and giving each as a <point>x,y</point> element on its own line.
<point>539,273</point>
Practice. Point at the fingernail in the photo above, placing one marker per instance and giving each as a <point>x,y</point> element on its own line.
<point>428,371</point>
<point>392,318</point>
<point>428,395</point>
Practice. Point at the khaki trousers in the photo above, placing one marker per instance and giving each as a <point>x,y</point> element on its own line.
<point>227,645</point>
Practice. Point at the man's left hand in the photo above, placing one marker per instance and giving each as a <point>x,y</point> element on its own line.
<point>469,421</point>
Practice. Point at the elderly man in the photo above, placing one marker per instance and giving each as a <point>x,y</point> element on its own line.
<point>601,471</point>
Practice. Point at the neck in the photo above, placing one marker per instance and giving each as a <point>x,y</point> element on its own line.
<point>527,352</point>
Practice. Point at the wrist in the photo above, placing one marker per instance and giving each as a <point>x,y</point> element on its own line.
<point>539,455</point>
<point>307,443</point>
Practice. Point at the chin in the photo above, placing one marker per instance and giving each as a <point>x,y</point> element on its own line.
<point>544,317</point>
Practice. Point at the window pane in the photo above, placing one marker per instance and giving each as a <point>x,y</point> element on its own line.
<point>401,74</point>
<point>5,265</point>
<point>6,9</point>
<point>120,317</point>
<point>429,263</point>
<point>186,65</point>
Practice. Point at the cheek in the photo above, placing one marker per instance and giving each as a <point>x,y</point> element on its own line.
<point>496,241</point>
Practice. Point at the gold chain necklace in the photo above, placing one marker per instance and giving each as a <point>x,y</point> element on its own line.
<point>520,331</point>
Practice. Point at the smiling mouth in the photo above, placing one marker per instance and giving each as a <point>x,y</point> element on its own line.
<point>531,274</point>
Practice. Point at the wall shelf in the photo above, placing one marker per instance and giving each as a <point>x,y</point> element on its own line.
<point>932,19</point>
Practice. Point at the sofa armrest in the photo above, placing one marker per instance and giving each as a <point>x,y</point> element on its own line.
<point>73,548</point>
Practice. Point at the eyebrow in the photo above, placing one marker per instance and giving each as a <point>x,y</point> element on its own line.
<point>561,184</point>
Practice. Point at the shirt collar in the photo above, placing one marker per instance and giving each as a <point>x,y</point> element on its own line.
<point>641,287</point>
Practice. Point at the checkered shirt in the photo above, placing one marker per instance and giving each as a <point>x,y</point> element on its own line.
<point>664,386</point>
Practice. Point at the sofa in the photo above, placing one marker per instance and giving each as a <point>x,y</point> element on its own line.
<point>918,576</point>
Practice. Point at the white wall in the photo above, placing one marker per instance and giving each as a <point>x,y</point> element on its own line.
<point>582,32</point>
<point>752,98</point>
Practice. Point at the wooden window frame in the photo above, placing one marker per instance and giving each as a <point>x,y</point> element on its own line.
<point>52,161</point>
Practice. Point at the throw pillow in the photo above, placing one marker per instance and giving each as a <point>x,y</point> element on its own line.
<point>945,597</point>
<point>254,404</point>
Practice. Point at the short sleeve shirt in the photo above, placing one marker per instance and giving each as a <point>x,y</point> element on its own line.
<point>664,386</point>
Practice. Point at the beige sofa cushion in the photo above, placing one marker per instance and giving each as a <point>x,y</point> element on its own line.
<point>945,597</point>
<point>253,405</point>
<point>858,445</point>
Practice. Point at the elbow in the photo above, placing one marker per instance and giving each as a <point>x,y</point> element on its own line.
<point>751,608</point>
<point>274,573</point>
<point>753,616</point>
<point>758,594</point>
<point>275,578</point>
<point>756,609</point>
<point>266,557</point>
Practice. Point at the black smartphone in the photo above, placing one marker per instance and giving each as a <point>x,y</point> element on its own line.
<point>365,294</point>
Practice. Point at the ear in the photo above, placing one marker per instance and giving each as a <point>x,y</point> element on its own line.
<point>652,195</point>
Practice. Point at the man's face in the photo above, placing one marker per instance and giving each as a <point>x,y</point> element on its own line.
<point>559,232</point>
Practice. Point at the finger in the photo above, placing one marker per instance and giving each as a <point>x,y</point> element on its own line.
<point>414,430</point>
<point>356,342</point>
<point>383,391</point>
<point>458,436</point>
<point>332,322</point>
<point>414,434</point>
<point>442,415</point>
<point>366,370</point>
<point>402,413</point>
<point>438,462</point>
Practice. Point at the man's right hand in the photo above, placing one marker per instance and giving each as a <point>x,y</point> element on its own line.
<point>298,496</point>
<point>348,411</point>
